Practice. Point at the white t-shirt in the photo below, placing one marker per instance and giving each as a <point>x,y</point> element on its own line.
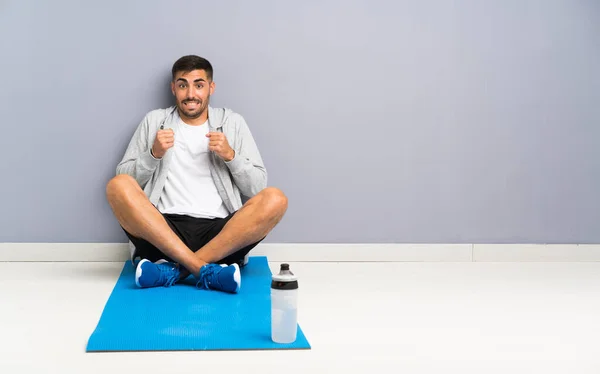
<point>189,188</point>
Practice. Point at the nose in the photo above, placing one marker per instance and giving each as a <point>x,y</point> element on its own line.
<point>190,93</point>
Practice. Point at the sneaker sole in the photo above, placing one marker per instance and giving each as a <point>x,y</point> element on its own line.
<point>138,272</point>
<point>237,277</point>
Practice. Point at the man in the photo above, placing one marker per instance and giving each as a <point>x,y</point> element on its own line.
<point>179,188</point>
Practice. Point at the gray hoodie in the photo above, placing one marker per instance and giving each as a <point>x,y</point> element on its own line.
<point>236,180</point>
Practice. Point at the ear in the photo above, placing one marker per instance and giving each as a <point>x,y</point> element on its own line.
<point>173,88</point>
<point>212,87</point>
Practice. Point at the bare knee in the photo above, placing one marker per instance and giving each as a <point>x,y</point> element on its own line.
<point>274,200</point>
<point>118,185</point>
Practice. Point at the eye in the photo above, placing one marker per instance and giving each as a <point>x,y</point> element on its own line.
<point>182,85</point>
<point>199,86</point>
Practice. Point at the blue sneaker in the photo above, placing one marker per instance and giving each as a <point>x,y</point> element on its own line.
<point>161,273</point>
<point>220,277</point>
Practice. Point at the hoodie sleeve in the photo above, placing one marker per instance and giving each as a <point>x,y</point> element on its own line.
<point>247,167</point>
<point>138,161</point>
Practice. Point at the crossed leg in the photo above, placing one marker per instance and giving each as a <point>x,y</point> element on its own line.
<point>140,218</point>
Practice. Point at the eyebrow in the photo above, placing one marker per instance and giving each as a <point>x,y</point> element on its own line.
<point>197,80</point>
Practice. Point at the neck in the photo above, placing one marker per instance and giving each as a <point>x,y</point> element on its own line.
<point>194,121</point>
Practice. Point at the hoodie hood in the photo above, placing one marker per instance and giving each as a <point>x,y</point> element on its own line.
<point>217,117</point>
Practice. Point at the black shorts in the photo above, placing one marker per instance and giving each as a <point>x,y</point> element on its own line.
<point>195,233</point>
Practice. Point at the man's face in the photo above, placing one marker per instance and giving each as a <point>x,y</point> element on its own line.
<point>192,91</point>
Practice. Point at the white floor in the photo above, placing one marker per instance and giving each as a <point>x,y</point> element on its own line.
<point>361,317</point>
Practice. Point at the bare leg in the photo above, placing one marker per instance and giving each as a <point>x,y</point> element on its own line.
<point>140,218</point>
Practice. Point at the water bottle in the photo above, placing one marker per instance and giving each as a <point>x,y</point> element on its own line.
<point>284,306</point>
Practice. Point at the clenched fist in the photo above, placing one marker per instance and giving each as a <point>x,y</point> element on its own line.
<point>164,140</point>
<point>217,142</point>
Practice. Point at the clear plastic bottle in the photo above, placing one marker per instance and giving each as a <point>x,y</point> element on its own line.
<point>284,306</point>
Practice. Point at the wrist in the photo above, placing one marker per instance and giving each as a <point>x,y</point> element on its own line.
<point>153,155</point>
<point>231,156</point>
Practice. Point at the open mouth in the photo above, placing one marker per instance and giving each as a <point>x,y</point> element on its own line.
<point>191,104</point>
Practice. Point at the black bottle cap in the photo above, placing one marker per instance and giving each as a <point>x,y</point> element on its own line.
<point>279,285</point>
<point>285,280</point>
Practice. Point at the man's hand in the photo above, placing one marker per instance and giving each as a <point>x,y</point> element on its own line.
<point>218,143</point>
<point>164,140</point>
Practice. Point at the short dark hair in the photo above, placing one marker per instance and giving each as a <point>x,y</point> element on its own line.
<point>192,62</point>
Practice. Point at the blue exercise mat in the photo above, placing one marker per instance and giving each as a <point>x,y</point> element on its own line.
<point>183,317</point>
